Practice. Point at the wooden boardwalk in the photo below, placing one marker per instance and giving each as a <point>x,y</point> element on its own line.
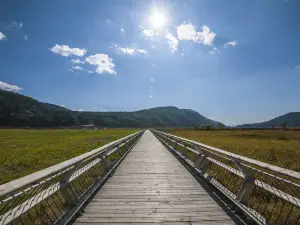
<point>151,186</point>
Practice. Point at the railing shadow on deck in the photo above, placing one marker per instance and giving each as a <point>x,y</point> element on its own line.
<point>56,195</point>
<point>266,194</point>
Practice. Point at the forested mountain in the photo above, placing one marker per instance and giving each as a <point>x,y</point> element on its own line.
<point>288,120</point>
<point>18,110</point>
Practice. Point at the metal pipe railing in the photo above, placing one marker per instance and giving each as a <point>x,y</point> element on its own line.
<point>266,193</point>
<point>56,194</point>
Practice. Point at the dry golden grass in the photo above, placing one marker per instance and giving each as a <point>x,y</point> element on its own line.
<point>26,151</point>
<point>281,148</point>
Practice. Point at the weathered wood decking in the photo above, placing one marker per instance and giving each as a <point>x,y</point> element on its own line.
<point>151,186</point>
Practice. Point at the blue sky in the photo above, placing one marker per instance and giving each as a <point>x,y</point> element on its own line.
<point>235,61</point>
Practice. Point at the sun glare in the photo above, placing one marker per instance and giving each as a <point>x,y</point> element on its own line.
<point>157,19</point>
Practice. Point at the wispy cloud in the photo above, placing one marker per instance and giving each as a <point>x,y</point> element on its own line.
<point>2,36</point>
<point>26,37</point>
<point>102,62</point>
<point>99,109</point>
<point>14,26</point>
<point>187,31</point>
<point>77,68</point>
<point>172,41</point>
<point>214,51</point>
<point>148,33</point>
<point>9,87</point>
<point>230,43</point>
<point>122,30</point>
<point>130,50</point>
<point>77,61</point>
<point>66,51</point>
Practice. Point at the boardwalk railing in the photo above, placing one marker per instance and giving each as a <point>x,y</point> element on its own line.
<point>266,193</point>
<point>56,194</point>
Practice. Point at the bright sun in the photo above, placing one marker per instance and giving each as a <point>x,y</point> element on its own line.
<point>157,19</point>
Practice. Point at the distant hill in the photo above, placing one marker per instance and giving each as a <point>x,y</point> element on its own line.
<point>288,120</point>
<point>18,110</point>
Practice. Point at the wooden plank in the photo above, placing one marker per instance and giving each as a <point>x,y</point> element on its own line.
<point>223,222</point>
<point>158,215</point>
<point>154,204</point>
<point>157,210</point>
<point>152,219</point>
<point>144,206</point>
<point>151,186</point>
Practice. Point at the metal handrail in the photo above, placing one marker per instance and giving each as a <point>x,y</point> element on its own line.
<point>266,193</point>
<point>56,194</point>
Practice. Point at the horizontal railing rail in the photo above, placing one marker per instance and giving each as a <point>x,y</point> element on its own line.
<point>267,194</point>
<point>56,194</point>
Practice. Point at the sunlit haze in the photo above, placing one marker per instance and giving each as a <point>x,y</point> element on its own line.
<point>158,19</point>
<point>232,61</point>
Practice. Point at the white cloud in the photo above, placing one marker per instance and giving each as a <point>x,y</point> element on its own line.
<point>122,30</point>
<point>13,26</point>
<point>26,37</point>
<point>214,51</point>
<point>9,87</point>
<point>172,40</point>
<point>131,51</point>
<point>230,43</point>
<point>213,118</point>
<point>66,51</point>
<point>90,71</point>
<point>187,31</point>
<point>150,96</point>
<point>99,109</point>
<point>2,36</point>
<point>70,70</point>
<point>206,36</point>
<point>80,110</point>
<point>148,33</point>
<point>77,61</point>
<point>128,51</point>
<point>140,50</point>
<point>77,68</point>
<point>103,63</point>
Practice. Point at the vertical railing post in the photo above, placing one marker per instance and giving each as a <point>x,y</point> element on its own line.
<point>174,146</point>
<point>119,151</point>
<point>65,186</point>
<point>247,185</point>
<point>107,163</point>
<point>201,161</point>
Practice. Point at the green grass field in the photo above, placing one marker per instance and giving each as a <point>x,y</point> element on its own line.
<point>281,148</point>
<point>26,151</point>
